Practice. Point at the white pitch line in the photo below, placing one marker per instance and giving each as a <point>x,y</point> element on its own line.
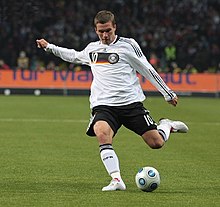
<point>204,123</point>
<point>44,120</point>
<point>84,121</point>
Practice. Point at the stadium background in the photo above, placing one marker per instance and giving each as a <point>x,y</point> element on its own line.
<point>176,36</point>
<point>46,158</point>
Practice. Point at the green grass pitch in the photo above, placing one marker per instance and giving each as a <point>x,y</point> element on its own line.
<point>47,160</point>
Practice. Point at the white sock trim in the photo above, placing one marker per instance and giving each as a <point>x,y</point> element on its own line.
<point>164,130</point>
<point>110,160</point>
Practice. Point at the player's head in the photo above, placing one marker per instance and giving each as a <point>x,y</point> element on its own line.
<point>105,26</point>
<point>103,17</point>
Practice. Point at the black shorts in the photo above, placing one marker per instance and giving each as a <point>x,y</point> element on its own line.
<point>133,116</point>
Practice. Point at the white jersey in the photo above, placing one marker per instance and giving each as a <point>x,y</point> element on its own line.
<point>114,68</point>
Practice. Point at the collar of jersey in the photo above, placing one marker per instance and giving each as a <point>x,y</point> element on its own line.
<point>114,41</point>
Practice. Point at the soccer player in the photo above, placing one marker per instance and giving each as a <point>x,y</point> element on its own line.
<point>116,95</point>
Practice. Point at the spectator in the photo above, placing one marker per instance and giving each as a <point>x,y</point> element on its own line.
<point>154,60</point>
<point>3,65</point>
<point>170,55</point>
<point>23,61</point>
<point>154,24</point>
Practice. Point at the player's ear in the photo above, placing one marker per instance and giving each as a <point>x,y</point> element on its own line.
<point>114,26</point>
<point>95,30</point>
<point>95,27</point>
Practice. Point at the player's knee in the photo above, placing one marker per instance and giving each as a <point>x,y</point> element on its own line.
<point>157,144</point>
<point>154,141</point>
<point>102,133</point>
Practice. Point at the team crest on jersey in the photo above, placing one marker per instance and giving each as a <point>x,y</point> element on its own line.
<point>113,58</point>
<point>104,58</point>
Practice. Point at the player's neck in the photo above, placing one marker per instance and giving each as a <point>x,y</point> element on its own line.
<point>111,42</point>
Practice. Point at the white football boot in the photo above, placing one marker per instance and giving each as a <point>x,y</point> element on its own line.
<point>115,184</point>
<point>176,126</point>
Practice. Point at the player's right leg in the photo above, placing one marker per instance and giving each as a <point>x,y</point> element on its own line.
<point>167,126</point>
<point>176,126</point>
<point>153,139</point>
<point>140,121</point>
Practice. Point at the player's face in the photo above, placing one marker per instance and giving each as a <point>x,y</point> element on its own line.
<point>106,32</point>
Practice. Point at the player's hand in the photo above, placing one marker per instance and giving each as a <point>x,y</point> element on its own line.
<point>173,101</point>
<point>42,43</point>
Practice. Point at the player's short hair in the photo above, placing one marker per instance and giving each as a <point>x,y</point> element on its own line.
<point>103,17</point>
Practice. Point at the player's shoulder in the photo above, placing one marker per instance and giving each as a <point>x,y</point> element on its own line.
<point>131,45</point>
<point>127,40</point>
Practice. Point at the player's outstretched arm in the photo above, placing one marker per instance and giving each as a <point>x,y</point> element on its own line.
<point>42,43</point>
<point>68,55</point>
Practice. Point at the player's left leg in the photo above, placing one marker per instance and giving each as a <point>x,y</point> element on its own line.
<point>104,126</point>
<point>156,138</point>
<point>104,134</point>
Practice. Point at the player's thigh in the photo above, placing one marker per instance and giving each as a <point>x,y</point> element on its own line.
<point>139,121</point>
<point>103,131</point>
<point>105,119</point>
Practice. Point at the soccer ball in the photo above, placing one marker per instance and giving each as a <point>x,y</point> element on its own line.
<point>147,179</point>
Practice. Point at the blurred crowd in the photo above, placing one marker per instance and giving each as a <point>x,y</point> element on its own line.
<point>176,36</point>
